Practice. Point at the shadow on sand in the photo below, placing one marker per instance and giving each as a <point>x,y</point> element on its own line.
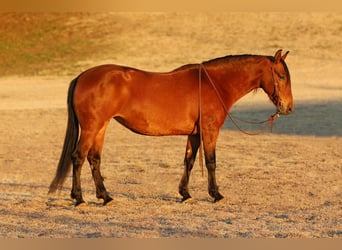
<point>314,119</point>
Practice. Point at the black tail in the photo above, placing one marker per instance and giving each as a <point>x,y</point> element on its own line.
<point>70,141</point>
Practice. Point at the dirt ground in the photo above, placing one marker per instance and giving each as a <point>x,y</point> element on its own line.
<point>284,184</point>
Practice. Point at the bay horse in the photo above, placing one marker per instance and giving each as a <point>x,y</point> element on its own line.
<point>191,100</point>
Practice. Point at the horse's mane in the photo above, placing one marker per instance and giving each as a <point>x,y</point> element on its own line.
<point>216,60</point>
<point>230,57</point>
<point>238,58</point>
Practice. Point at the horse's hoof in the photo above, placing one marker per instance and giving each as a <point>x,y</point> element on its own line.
<point>81,203</point>
<point>187,200</point>
<point>108,201</point>
<point>218,198</point>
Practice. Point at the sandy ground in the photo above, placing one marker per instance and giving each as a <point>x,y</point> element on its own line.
<point>285,184</point>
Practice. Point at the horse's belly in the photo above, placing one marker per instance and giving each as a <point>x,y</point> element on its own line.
<point>158,125</point>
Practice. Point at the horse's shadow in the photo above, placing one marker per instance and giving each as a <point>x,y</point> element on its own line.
<point>311,118</point>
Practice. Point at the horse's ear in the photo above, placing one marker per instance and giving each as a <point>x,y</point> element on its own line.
<point>284,56</point>
<point>277,56</point>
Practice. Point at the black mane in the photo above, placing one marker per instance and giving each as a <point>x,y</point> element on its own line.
<point>229,57</point>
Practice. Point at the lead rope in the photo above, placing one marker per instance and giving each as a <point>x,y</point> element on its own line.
<point>269,121</point>
<point>200,117</point>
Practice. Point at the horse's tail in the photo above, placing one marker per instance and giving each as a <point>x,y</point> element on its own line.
<point>70,141</point>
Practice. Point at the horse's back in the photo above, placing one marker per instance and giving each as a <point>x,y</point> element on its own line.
<point>146,102</point>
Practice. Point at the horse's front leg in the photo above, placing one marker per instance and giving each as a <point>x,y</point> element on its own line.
<point>212,185</point>
<point>189,159</point>
<point>209,143</point>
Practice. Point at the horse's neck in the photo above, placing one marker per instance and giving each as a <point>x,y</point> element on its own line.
<point>237,80</point>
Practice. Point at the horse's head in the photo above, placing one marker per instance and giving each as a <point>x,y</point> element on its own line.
<point>277,84</point>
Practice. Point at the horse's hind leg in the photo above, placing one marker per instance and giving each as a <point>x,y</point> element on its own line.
<point>190,156</point>
<point>78,158</point>
<point>94,159</point>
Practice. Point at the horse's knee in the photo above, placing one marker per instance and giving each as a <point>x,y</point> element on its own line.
<point>211,167</point>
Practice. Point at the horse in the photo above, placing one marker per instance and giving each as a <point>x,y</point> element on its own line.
<point>192,100</point>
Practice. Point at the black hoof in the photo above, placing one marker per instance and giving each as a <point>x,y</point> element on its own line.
<point>107,200</point>
<point>185,198</point>
<point>78,203</point>
<point>218,197</point>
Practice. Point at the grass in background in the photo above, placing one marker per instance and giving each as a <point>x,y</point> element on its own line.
<point>42,43</point>
<point>68,43</point>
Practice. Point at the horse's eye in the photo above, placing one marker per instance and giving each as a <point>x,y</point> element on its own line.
<point>281,77</point>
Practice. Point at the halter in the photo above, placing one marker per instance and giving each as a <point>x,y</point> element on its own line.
<point>275,94</point>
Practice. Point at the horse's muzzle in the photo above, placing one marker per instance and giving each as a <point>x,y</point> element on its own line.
<point>285,109</point>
